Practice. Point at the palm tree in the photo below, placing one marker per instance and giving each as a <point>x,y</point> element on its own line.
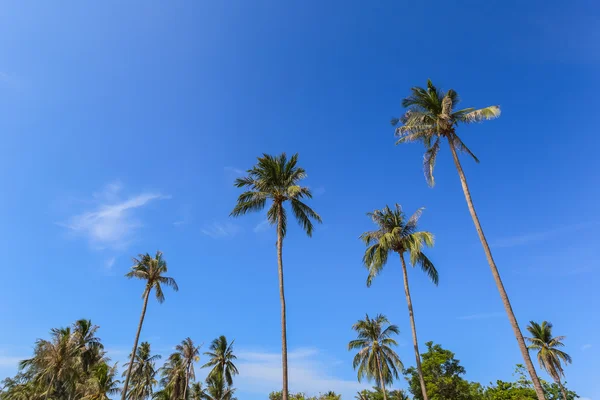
<point>174,376</point>
<point>190,354</point>
<point>197,391</point>
<point>152,271</point>
<point>143,373</point>
<point>90,348</point>
<point>217,390</point>
<point>375,358</point>
<point>276,179</point>
<point>549,356</point>
<point>221,359</point>
<point>430,117</point>
<point>55,364</point>
<point>399,234</point>
<point>102,383</point>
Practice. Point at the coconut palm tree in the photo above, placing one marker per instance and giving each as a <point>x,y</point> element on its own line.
<point>143,373</point>
<point>398,234</point>
<point>91,350</point>
<point>190,354</point>
<point>152,270</point>
<point>375,358</point>
<point>548,354</point>
<point>174,376</point>
<point>277,180</point>
<point>102,383</point>
<point>55,364</point>
<point>217,390</point>
<point>221,359</point>
<point>431,116</point>
<point>197,391</point>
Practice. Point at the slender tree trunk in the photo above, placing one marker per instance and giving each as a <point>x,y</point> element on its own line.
<point>413,327</point>
<point>135,344</point>
<point>562,389</point>
<point>381,383</point>
<point>284,358</point>
<point>511,315</point>
<point>187,382</point>
<point>49,388</point>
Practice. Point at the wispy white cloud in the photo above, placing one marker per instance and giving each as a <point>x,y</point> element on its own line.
<point>218,230</point>
<point>532,237</point>
<point>110,262</point>
<point>10,361</point>
<point>310,371</point>
<point>481,316</point>
<point>234,170</point>
<point>586,346</point>
<point>318,191</point>
<point>261,226</point>
<point>111,223</point>
<point>185,216</point>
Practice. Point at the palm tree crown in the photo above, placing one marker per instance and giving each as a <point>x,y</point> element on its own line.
<point>143,374</point>
<point>397,234</point>
<point>375,358</point>
<point>221,359</point>
<point>549,355</point>
<point>276,179</point>
<point>152,270</point>
<point>430,116</point>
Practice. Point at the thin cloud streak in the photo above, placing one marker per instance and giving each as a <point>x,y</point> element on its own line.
<point>480,316</point>
<point>533,237</point>
<point>218,230</point>
<point>234,170</point>
<point>586,347</point>
<point>262,226</point>
<point>111,223</point>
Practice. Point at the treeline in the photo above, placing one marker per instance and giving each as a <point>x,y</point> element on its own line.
<point>73,365</point>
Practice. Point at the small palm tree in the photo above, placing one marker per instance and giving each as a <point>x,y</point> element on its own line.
<point>197,391</point>
<point>173,376</point>
<point>217,390</point>
<point>398,234</point>
<point>102,384</point>
<point>152,270</point>
<point>277,179</point>
<point>143,373</point>
<point>221,359</point>
<point>90,347</point>
<point>375,358</point>
<point>548,354</point>
<point>190,354</point>
<point>431,117</point>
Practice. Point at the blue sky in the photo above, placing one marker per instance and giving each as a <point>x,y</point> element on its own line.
<point>124,125</point>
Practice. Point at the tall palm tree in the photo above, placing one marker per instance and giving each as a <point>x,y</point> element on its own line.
<point>277,179</point>
<point>190,354</point>
<point>429,118</point>
<point>102,383</point>
<point>397,233</point>
<point>152,270</point>
<point>548,354</point>
<point>143,373</point>
<point>217,390</point>
<point>221,359</point>
<point>375,358</point>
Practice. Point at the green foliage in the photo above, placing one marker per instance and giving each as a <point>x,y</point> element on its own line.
<point>143,374</point>
<point>375,358</point>
<point>221,359</point>
<point>399,234</point>
<point>430,116</point>
<point>276,179</point>
<point>152,270</point>
<point>377,394</point>
<point>548,350</point>
<point>442,374</point>
<point>302,396</point>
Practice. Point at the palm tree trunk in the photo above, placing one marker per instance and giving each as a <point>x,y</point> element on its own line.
<point>187,381</point>
<point>562,389</point>
<point>413,327</point>
<point>135,344</point>
<point>381,383</point>
<point>511,315</point>
<point>284,359</point>
<point>49,388</point>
